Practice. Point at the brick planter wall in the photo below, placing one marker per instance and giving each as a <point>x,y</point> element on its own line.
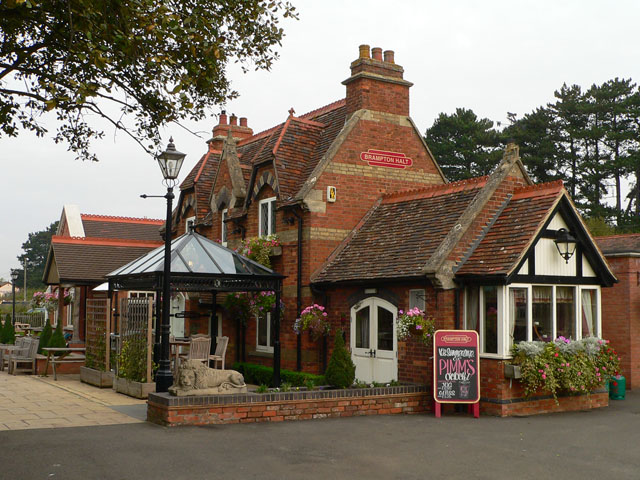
<point>168,410</point>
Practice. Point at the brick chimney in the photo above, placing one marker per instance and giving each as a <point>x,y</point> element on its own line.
<point>220,131</point>
<point>376,83</point>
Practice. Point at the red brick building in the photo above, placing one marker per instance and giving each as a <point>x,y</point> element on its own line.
<point>621,304</point>
<point>369,226</point>
<point>87,247</point>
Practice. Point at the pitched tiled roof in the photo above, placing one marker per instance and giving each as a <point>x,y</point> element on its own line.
<point>88,260</point>
<point>508,238</point>
<point>103,226</point>
<point>619,244</point>
<point>400,234</point>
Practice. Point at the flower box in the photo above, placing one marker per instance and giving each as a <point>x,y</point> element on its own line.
<point>275,251</point>
<point>133,389</point>
<point>512,371</point>
<point>97,378</point>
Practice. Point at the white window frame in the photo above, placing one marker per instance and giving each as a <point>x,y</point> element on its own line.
<point>141,294</point>
<point>223,227</point>
<point>271,212</point>
<point>268,348</point>
<point>189,221</point>
<point>504,338</point>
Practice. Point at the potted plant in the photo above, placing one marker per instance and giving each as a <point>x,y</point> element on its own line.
<point>260,249</point>
<point>415,321</point>
<point>314,319</point>
<point>132,369</point>
<point>95,372</point>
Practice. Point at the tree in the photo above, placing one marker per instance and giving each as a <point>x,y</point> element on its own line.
<point>341,371</point>
<point>157,62</point>
<point>36,249</point>
<point>464,145</point>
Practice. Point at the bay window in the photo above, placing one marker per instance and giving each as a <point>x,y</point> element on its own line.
<point>507,315</point>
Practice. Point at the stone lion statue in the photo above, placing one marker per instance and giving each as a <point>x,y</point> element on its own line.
<point>195,378</point>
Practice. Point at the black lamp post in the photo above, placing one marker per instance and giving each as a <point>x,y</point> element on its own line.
<point>565,243</point>
<point>170,162</point>
<point>14,278</point>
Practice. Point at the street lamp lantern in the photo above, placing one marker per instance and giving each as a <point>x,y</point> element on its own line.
<point>170,162</point>
<point>565,243</point>
<point>14,277</point>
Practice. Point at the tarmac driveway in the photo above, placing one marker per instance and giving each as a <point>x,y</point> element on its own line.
<point>600,444</point>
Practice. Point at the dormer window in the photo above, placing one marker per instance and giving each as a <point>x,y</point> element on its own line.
<point>267,217</point>
<point>189,222</point>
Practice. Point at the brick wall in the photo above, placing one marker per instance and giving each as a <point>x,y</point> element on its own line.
<point>621,316</point>
<point>174,411</point>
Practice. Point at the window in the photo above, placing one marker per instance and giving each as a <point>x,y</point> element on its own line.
<point>482,314</point>
<point>223,227</point>
<point>135,294</point>
<point>542,325</point>
<point>417,299</point>
<point>264,337</point>
<point>267,217</point>
<point>189,222</point>
<point>589,323</point>
<point>518,314</point>
<point>566,312</point>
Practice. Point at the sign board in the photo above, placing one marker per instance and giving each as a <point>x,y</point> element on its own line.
<point>379,158</point>
<point>456,368</point>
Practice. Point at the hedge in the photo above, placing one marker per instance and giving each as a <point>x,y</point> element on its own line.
<point>261,375</point>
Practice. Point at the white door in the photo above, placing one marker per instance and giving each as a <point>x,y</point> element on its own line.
<point>177,322</point>
<point>373,340</point>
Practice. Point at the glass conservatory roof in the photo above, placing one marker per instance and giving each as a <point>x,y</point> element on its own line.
<point>192,253</point>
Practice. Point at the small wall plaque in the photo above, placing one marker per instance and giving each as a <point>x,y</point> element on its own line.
<point>331,194</point>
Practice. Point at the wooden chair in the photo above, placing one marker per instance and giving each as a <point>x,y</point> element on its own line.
<point>221,350</point>
<point>26,356</point>
<point>199,349</point>
<point>6,350</point>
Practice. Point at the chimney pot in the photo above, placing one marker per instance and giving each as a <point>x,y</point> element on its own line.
<point>233,120</point>
<point>364,51</point>
<point>388,56</point>
<point>223,118</point>
<point>243,121</point>
<point>376,53</point>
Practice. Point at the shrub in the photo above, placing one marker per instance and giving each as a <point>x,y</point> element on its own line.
<point>261,375</point>
<point>57,339</point>
<point>45,336</point>
<point>8,333</point>
<point>341,371</point>
<point>132,360</point>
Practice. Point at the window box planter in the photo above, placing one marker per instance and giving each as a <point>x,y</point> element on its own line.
<point>133,389</point>
<point>97,378</point>
<point>275,251</point>
<point>512,371</point>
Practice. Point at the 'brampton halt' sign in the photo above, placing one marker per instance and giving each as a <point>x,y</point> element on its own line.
<point>456,369</point>
<point>378,158</point>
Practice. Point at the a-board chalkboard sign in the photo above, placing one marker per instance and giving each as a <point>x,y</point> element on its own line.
<point>456,366</point>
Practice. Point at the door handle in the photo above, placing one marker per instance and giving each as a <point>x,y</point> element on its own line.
<point>371,353</point>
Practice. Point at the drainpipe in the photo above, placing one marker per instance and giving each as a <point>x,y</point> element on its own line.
<point>299,290</point>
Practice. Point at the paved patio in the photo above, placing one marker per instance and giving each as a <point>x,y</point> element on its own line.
<point>28,401</point>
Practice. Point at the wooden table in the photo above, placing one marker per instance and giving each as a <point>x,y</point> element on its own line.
<point>31,330</point>
<point>175,345</point>
<point>62,357</point>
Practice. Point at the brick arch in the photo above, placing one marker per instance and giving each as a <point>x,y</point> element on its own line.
<point>382,293</point>
<point>266,178</point>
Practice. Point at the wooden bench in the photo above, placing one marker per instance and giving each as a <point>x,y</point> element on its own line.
<point>65,355</point>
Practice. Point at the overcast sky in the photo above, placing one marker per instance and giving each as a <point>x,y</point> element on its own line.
<point>491,56</point>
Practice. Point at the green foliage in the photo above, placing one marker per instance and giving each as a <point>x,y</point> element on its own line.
<point>157,62</point>
<point>8,332</point>
<point>57,339</point>
<point>132,360</point>
<point>572,366</point>
<point>258,249</point>
<point>96,353</point>
<point>45,336</point>
<point>259,375</point>
<point>341,372</point>
<point>237,304</point>
<point>599,227</point>
<point>36,249</point>
<point>464,145</point>
<point>262,389</point>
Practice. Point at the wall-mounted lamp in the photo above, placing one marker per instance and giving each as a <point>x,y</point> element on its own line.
<point>565,243</point>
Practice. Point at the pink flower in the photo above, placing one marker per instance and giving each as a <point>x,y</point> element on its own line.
<point>579,373</point>
<point>556,355</point>
<point>544,376</point>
